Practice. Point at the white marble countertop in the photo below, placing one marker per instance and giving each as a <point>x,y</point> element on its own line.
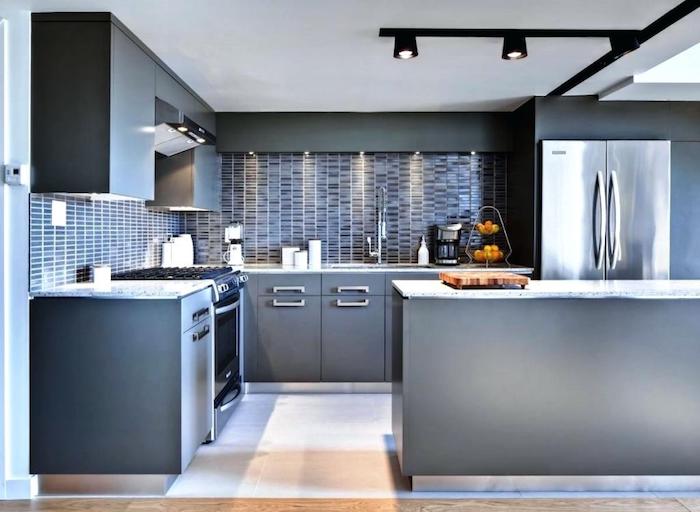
<point>384,267</point>
<point>127,290</point>
<point>556,290</point>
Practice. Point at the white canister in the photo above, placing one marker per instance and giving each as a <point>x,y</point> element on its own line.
<point>315,254</point>
<point>102,276</point>
<point>301,260</point>
<point>288,256</point>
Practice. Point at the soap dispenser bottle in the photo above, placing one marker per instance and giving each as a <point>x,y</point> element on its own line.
<point>423,254</point>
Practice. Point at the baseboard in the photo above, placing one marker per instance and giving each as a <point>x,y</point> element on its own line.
<point>18,488</point>
<point>318,387</point>
<point>555,483</point>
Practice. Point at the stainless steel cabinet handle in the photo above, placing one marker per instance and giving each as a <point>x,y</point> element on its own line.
<point>289,304</point>
<point>352,303</point>
<point>361,289</point>
<point>201,334</point>
<point>602,222</point>
<point>278,289</point>
<point>202,313</point>
<point>614,192</point>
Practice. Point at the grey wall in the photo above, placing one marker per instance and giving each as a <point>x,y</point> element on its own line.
<point>382,131</point>
<point>584,117</point>
<point>122,234</point>
<point>288,198</point>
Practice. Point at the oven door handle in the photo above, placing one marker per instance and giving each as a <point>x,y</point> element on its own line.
<point>226,309</point>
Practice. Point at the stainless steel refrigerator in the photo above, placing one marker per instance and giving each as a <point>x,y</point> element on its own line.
<point>605,209</point>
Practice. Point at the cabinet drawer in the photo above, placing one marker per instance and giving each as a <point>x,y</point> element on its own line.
<point>353,283</point>
<point>352,345</point>
<point>195,308</point>
<point>290,284</point>
<point>289,339</point>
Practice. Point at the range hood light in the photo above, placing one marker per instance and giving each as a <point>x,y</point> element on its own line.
<point>181,129</point>
<point>201,140</point>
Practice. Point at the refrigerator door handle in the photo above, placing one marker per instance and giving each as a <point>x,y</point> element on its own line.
<point>614,197</point>
<point>602,221</point>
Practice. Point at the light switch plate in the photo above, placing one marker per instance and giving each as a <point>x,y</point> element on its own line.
<point>58,213</point>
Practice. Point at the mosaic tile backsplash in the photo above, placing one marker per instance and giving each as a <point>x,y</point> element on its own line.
<point>286,199</point>
<point>123,234</point>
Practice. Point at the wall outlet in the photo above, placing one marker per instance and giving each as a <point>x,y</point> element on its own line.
<point>58,213</point>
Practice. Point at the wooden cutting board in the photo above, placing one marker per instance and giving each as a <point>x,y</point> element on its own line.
<point>484,279</point>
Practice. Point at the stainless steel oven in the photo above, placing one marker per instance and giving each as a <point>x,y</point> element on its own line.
<point>227,359</point>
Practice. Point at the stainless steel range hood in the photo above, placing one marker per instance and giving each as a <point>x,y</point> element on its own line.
<point>176,132</point>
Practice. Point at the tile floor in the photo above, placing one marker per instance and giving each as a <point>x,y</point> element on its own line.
<point>316,446</point>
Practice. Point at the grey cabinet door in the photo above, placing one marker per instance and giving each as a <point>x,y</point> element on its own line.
<point>289,339</point>
<point>249,297</point>
<point>207,186</point>
<point>196,389</point>
<point>132,116</point>
<point>352,339</point>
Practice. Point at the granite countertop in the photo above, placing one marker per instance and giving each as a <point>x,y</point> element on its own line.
<point>128,290</point>
<point>384,267</point>
<point>557,290</point>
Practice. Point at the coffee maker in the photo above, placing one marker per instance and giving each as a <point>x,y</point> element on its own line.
<point>233,236</point>
<point>447,244</point>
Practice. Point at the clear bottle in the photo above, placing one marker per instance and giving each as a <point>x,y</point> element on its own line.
<point>423,253</point>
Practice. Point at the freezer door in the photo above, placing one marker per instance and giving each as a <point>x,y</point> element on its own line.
<point>639,203</point>
<point>573,210</point>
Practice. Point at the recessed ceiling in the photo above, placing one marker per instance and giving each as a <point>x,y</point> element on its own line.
<point>320,55</point>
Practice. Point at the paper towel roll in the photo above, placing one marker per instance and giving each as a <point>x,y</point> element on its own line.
<point>301,260</point>
<point>315,254</point>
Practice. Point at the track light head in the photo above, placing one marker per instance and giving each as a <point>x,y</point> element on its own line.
<point>623,43</point>
<point>514,47</point>
<point>405,47</point>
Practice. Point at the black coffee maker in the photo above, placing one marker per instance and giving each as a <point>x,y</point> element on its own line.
<point>447,244</point>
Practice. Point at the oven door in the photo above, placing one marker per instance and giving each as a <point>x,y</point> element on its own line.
<point>227,343</point>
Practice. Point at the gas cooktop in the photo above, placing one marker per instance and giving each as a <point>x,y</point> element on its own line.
<point>177,273</point>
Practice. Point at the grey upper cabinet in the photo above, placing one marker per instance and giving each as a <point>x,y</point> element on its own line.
<point>169,90</point>
<point>188,180</point>
<point>93,107</point>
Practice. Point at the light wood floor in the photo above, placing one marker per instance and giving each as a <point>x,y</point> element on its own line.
<point>351,505</point>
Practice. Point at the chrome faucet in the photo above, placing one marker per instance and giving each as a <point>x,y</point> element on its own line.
<point>380,215</point>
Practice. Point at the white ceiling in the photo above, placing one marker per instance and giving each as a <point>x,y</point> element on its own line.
<point>324,55</point>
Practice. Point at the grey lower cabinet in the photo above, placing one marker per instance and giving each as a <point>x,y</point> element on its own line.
<point>289,338</point>
<point>352,337</point>
<point>343,332</point>
<point>389,308</point>
<point>119,386</point>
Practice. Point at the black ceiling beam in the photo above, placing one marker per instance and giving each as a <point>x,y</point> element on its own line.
<point>656,27</point>
<point>499,32</point>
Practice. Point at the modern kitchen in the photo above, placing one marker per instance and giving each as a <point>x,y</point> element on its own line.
<point>358,256</point>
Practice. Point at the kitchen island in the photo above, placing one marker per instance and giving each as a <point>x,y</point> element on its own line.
<point>566,385</point>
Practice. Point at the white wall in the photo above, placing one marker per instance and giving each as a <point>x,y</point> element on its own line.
<point>14,202</point>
